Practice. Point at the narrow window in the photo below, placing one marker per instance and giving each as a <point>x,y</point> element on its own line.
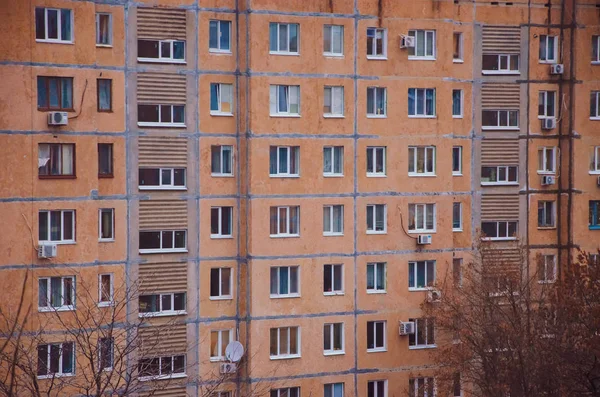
<point>595,105</point>
<point>333,40</point>
<point>219,36</point>
<point>333,102</point>
<point>56,160</point>
<point>457,271</point>
<point>106,224</point>
<point>457,160</point>
<point>106,352</point>
<point>333,161</point>
<point>376,277</point>
<point>221,99</point>
<point>457,217</point>
<point>547,104</point>
<point>457,47</point>
<point>594,214</point>
<point>376,336</point>
<point>546,268</point>
<point>105,160</point>
<point>376,219</point>
<point>333,220</point>
<point>220,283</point>
<point>547,160</point>
<point>285,281</point>
<point>457,104</point>
<point>333,279</point>
<point>546,214</point>
<point>221,219</point>
<point>105,289</point>
<point>595,49</point>
<point>595,160</point>
<point>103,29</point>
<point>548,46</point>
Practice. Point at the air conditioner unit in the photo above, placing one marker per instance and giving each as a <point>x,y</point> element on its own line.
<point>434,295</point>
<point>549,124</point>
<point>406,328</point>
<point>47,251</point>
<point>58,118</point>
<point>423,239</point>
<point>548,180</point>
<point>557,68</point>
<point>228,368</point>
<point>407,41</point>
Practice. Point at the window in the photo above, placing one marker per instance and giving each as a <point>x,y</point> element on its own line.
<point>547,160</point>
<point>105,289</point>
<point>499,230</point>
<point>333,220</point>
<point>333,390</point>
<point>220,394</point>
<point>221,99</point>
<point>457,47</point>
<point>457,160</point>
<point>500,63</point>
<point>162,304</point>
<point>218,342</point>
<point>457,271</point>
<point>220,283</point>
<point>57,226</point>
<point>286,392</point>
<point>547,104</point>
<point>595,160</point>
<point>546,214</point>
<point>376,43</point>
<point>285,281</point>
<point>421,102</point>
<point>376,102</point>
<point>377,388</point>
<point>502,174</point>
<point>56,160</point>
<point>376,161</point>
<point>424,44</point>
<point>595,105</point>
<point>219,36</point>
<point>595,49</point>
<point>105,160</point>
<point>333,161</point>
<point>154,242</point>
<point>333,279</point>
<point>285,221</point>
<point>221,160</point>
<point>424,335</point>
<point>421,387</point>
<point>376,277</point>
<point>161,115</point>
<point>55,93</point>
<point>106,353</point>
<point>161,367</point>
<point>376,338</point>
<point>333,338</point>
<point>547,269</point>
<point>594,218</point>
<point>285,100</point>
<point>457,217</point>
<point>161,178</point>
<point>284,161</point>
<point>457,104</point>
<point>333,102</point>
<point>103,29</point>
<point>421,275</point>
<point>56,359</point>
<point>594,259</point>
<point>221,222</point>
<point>333,40</point>
<point>168,51</point>
<point>104,87</point>
<point>285,342</point>
<point>376,219</point>
<point>284,38</point>
<point>53,25</point>
<point>106,224</point>
<point>456,386</point>
<point>421,160</point>
<point>421,218</point>
<point>56,293</point>
<point>548,46</point>
<point>500,119</point>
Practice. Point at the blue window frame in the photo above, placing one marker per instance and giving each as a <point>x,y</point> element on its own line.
<point>595,214</point>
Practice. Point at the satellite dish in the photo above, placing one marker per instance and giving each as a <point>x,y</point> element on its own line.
<point>234,351</point>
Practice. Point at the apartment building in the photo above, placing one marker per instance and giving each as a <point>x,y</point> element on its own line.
<point>292,175</point>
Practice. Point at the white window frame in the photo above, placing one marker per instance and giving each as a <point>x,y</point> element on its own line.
<point>377,267</point>
<point>415,390</point>
<point>286,391</point>
<point>336,93</point>
<point>595,161</point>
<point>330,328</point>
<point>279,51</point>
<point>220,30</point>
<point>278,113</point>
<point>547,153</point>
<point>423,115</point>
<point>288,221</point>
<point>289,330</point>
<point>169,59</point>
<point>462,96</point>
<point>112,212</point>
<point>546,261</point>
<point>292,154</point>
<point>222,296</point>
<point>162,186</point>
<point>385,387</point>
<point>460,228</point>
<point>384,40</point>
<point>330,209</point>
<point>545,209</point>
<point>169,375</point>
<point>160,123</point>
<point>378,347</point>
<point>376,92</point>
<point>461,53</point>
<point>333,157</point>
<point>458,149</point>
<point>110,29</point>
<point>221,354</point>
<point>165,250</point>
<point>374,158</point>
<point>414,33</point>
<point>62,307</point>
<point>332,269</point>
<point>428,151</point>
<point>332,386</point>
<point>104,303</point>
<point>220,87</point>
<point>376,208</point>
<point>222,160</point>
<point>289,282</point>
<point>508,62</point>
<point>499,116</point>
<point>423,208</point>
<point>112,353</point>
<point>220,221</point>
<point>544,38</point>
<point>596,44</point>
<point>504,182</point>
<point>60,372</point>
<point>596,94</point>
<point>331,27</point>
<point>429,279</point>
<point>427,345</point>
<point>59,40</point>
<point>62,227</point>
<point>503,223</point>
<point>163,313</point>
<point>543,102</point>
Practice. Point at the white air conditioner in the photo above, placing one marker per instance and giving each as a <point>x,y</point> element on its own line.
<point>549,124</point>
<point>406,328</point>
<point>423,239</point>
<point>47,251</point>
<point>58,118</point>
<point>557,68</point>
<point>434,295</point>
<point>228,368</point>
<point>407,41</point>
<point>548,180</point>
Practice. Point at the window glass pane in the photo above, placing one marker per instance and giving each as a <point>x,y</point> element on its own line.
<point>226,281</point>
<point>337,277</point>
<point>40,23</point>
<point>52,23</point>
<point>178,50</point>
<point>148,113</point>
<point>149,240</point>
<point>54,90</point>
<point>147,49</point>
<point>338,37</point>
<point>225,35</point>
<point>104,94</point>
<point>214,282</point>
<point>273,37</point>
<point>283,37</point>
<point>293,37</point>
<point>213,33</point>
<point>65,27</point>
<point>42,92</point>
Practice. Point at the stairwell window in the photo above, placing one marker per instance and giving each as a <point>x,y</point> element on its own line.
<point>547,104</point>
<point>163,51</point>
<point>422,387</point>
<point>56,160</point>
<point>421,102</point>
<point>55,93</point>
<point>221,160</point>
<point>221,99</point>
<point>548,49</point>
<point>424,336</point>
<point>594,217</point>
<point>376,277</point>
<point>546,214</point>
<point>421,275</point>
<point>333,161</point>
<point>377,388</point>
<point>218,342</point>
<point>333,101</point>
<point>161,178</point>
<point>424,44</point>
<point>221,222</point>
<point>284,342</point>
<point>457,104</point>
<point>56,293</point>
<point>499,230</point>
<point>285,221</point>
<point>103,29</point>
<point>376,161</point>
<point>376,43</point>
<point>421,218</point>
<point>163,241</point>
<point>170,304</point>
<point>376,102</point>
<point>106,289</point>
<point>595,105</point>
<point>333,220</point>
<point>333,40</point>
<point>376,219</point>
<point>333,390</point>
<point>105,160</point>
<point>499,175</point>
<point>500,119</point>
<point>166,367</point>
<point>500,64</point>
<point>376,336</point>
<point>547,157</point>
<point>595,160</point>
<point>457,217</point>
<point>457,160</point>
<point>284,100</point>
<point>106,224</point>
<point>421,160</point>
<point>333,339</point>
<point>595,49</point>
<point>55,359</point>
<point>219,39</point>
<point>220,283</point>
<point>56,226</point>
<point>53,25</point>
<point>161,115</point>
<point>285,281</point>
<point>546,272</point>
<point>284,38</point>
<point>333,279</point>
<point>284,161</point>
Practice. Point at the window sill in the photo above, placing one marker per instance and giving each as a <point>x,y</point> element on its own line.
<point>219,52</point>
<point>221,298</point>
<point>377,58</point>
<point>419,289</point>
<point>378,350</point>
<point>216,175</point>
<point>496,72</point>
<point>283,235</point>
<point>377,116</point>
<point>334,116</point>
<point>499,183</point>
<point>160,125</point>
<point>334,353</point>
<point>162,314</point>
<point>52,376</point>
<point>333,293</point>
<point>162,187</point>
<point>546,281</point>
<point>424,175</point>
<point>595,118</point>
<point>457,230</point>
<point>457,174</point>
<point>457,116</point>
<point>546,227</point>
<point>546,172</point>
<point>594,172</point>
<point>595,62</point>
<point>57,177</point>
<point>336,175</point>
<point>54,41</point>
<point>421,116</point>
<point>418,58</point>
<point>422,347</point>
<point>296,54</point>
<point>285,357</point>
<point>163,251</point>
<point>333,234</point>
<point>106,304</point>
<point>548,62</point>
<point>499,238</point>
<point>333,55</point>
<point>283,176</point>
<point>291,115</point>
<point>375,292</point>
<point>161,377</point>
<point>594,227</point>
<point>376,232</point>
<point>458,61</point>
<point>105,176</point>
<point>217,359</point>
<point>492,128</point>
<point>376,175</point>
<point>158,60</point>
<point>284,296</point>
<point>104,45</point>
<point>106,240</point>
<point>221,114</point>
<point>56,309</point>
<point>66,242</point>
<point>220,237</point>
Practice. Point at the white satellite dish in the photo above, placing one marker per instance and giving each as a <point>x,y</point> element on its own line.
<point>234,351</point>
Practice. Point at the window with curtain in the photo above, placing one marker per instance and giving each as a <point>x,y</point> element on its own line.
<point>421,160</point>
<point>56,293</point>
<point>104,87</point>
<point>421,275</point>
<point>284,100</point>
<point>421,102</point>
<point>376,218</point>
<point>285,221</point>
<point>53,24</point>
<point>57,226</point>
<point>284,38</point>
<point>103,29</point>
<point>220,283</point>
<point>284,160</point>
<point>56,159</point>
<point>424,44</point>
<point>221,159</point>
<point>333,40</point>
<point>333,390</point>
<point>333,220</point>
<point>218,342</point>
<point>55,359</point>
<point>55,93</point>
<point>376,101</point>
<point>107,227</point>
<point>105,160</point>
<point>457,103</point>
<point>421,218</point>
<point>221,99</point>
<point>333,161</point>
<point>285,281</point>
<point>219,39</point>
<point>376,277</point>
